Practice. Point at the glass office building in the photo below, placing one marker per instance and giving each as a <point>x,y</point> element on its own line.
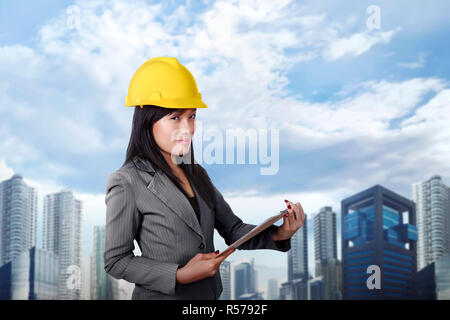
<point>33,275</point>
<point>317,288</point>
<point>442,270</point>
<point>286,291</point>
<point>426,283</point>
<point>433,281</point>
<point>378,228</point>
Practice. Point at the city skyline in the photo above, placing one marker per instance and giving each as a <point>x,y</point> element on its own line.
<point>263,283</point>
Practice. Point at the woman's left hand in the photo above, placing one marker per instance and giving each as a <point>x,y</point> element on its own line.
<point>292,221</point>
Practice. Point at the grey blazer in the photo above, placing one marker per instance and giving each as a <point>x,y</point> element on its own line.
<point>144,204</point>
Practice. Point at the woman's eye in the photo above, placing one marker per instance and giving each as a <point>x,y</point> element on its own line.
<point>177,117</point>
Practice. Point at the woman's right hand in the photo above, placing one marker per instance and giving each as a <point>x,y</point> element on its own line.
<point>201,266</point>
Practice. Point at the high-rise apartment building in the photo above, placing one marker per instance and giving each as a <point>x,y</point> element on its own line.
<point>325,253</point>
<point>432,198</point>
<point>298,254</point>
<point>18,218</point>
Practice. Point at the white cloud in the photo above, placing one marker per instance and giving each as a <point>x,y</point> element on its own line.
<point>246,86</point>
<point>101,55</point>
<point>5,171</point>
<point>366,114</point>
<point>432,121</point>
<point>419,63</point>
<point>20,61</point>
<point>56,170</point>
<point>87,137</point>
<point>44,187</point>
<point>357,43</point>
<point>15,150</point>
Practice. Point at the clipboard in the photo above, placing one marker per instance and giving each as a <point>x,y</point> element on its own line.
<point>256,230</point>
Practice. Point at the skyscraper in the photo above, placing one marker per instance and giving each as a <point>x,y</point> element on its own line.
<point>331,271</point>
<point>272,289</point>
<point>434,280</point>
<point>18,214</point>
<point>317,288</point>
<point>325,252</point>
<point>443,277</point>
<point>325,238</point>
<point>298,255</point>
<point>296,289</point>
<point>86,278</point>
<point>297,285</point>
<point>225,274</point>
<point>378,230</point>
<point>432,198</point>
<point>103,286</point>
<point>426,282</point>
<point>244,278</point>
<point>62,235</point>
<point>287,291</point>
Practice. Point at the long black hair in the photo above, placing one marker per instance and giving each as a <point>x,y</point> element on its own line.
<point>143,144</point>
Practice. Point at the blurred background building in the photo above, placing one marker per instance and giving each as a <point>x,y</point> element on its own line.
<point>62,235</point>
<point>225,274</point>
<point>103,286</point>
<point>296,287</point>
<point>272,288</point>
<point>325,253</point>
<point>32,275</point>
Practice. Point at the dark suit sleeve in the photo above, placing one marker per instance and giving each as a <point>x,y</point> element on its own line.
<point>122,223</point>
<point>231,228</point>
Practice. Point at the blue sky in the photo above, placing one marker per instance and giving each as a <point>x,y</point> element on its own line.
<point>354,107</point>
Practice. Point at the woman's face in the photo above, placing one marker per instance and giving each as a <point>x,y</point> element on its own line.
<point>174,131</point>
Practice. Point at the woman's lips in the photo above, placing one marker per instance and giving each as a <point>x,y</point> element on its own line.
<point>184,141</point>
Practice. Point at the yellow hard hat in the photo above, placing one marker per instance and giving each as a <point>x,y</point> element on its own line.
<point>163,82</point>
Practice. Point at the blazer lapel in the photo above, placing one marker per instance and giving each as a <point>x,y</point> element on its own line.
<point>167,192</point>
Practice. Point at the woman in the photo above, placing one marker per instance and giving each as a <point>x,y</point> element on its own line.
<point>164,200</point>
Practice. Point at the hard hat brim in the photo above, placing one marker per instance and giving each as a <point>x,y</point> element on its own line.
<point>168,103</point>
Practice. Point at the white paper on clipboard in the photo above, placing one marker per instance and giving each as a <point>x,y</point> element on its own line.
<point>259,228</point>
